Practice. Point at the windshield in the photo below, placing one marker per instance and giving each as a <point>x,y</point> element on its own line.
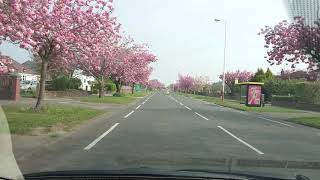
<point>170,85</point>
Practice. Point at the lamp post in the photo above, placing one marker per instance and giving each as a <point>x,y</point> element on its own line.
<point>224,58</point>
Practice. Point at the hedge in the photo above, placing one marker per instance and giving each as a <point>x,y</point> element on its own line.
<point>279,88</point>
<point>303,92</point>
<point>308,92</point>
<point>284,98</point>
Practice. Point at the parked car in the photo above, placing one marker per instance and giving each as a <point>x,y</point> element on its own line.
<point>28,85</point>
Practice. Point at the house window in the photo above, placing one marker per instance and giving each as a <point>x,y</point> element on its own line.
<point>84,80</point>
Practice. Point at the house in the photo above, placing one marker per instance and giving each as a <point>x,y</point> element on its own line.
<point>25,73</point>
<point>86,81</point>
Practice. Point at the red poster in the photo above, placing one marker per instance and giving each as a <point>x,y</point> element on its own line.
<point>254,93</point>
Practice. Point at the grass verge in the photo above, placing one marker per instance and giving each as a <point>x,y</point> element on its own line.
<point>126,99</point>
<point>307,121</point>
<point>109,99</point>
<point>138,94</point>
<point>234,104</point>
<point>23,120</point>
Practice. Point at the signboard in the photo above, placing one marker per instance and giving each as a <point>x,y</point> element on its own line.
<point>137,87</point>
<point>254,95</point>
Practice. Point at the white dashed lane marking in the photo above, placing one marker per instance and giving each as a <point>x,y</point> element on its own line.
<point>201,116</point>
<point>242,141</point>
<point>100,137</point>
<point>126,116</point>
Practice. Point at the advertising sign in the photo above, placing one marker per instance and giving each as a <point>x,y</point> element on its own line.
<point>254,95</point>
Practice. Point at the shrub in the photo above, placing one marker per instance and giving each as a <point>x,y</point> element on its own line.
<point>62,83</point>
<point>308,92</point>
<point>74,83</point>
<point>31,94</point>
<point>110,87</point>
<point>118,94</point>
<point>279,88</point>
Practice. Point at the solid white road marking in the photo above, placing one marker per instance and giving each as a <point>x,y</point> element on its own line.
<point>138,107</point>
<point>201,116</point>
<point>180,103</point>
<point>187,108</point>
<point>129,114</point>
<point>100,137</point>
<point>242,141</point>
<point>275,121</point>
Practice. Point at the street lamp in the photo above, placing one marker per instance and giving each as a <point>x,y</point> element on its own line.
<point>224,57</point>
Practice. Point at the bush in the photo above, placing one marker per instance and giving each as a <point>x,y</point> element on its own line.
<point>94,91</point>
<point>62,83</point>
<point>279,88</point>
<point>110,87</point>
<point>118,94</point>
<point>308,92</point>
<point>31,94</point>
<point>74,83</point>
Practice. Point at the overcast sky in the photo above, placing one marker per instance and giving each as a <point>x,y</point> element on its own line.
<point>187,40</point>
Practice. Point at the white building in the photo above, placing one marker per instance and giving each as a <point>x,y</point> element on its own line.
<point>29,77</point>
<point>86,81</point>
<point>308,9</point>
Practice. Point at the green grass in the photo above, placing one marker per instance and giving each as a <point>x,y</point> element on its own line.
<point>308,121</point>
<point>126,99</point>
<point>109,99</point>
<point>138,94</point>
<point>235,104</point>
<point>28,94</point>
<point>22,119</point>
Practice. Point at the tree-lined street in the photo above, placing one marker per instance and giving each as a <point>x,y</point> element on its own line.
<point>108,85</point>
<point>174,131</point>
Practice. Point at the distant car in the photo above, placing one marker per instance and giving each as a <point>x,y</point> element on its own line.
<point>167,91</point>
<point>28,85</point>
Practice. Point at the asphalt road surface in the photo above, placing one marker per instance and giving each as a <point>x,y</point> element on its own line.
<point>171,132</point>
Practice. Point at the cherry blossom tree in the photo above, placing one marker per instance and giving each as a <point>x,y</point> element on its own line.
<point>293,43</point>
<point>230,78</point>
<point>199,83</point>
<point>185,83</point>
<point>140,77</point>
<point>155,84</point>
<point>54,29</point>
<point>130,65</point>
<point>4,62</point>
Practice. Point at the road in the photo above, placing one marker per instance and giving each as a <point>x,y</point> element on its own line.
<point>176,132</point>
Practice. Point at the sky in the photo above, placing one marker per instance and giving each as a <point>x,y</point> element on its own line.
<point>186,39</point>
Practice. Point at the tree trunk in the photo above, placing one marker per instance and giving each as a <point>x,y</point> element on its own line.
<point>132,88</point>
<point>118,87</point>
<point>101,87</point>
<point>42,86</point>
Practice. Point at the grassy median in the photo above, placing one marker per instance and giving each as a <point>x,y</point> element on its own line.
<point>125,99</point>
<point>307,121</point>
<point>235,104</point>
<point>23,120</point>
